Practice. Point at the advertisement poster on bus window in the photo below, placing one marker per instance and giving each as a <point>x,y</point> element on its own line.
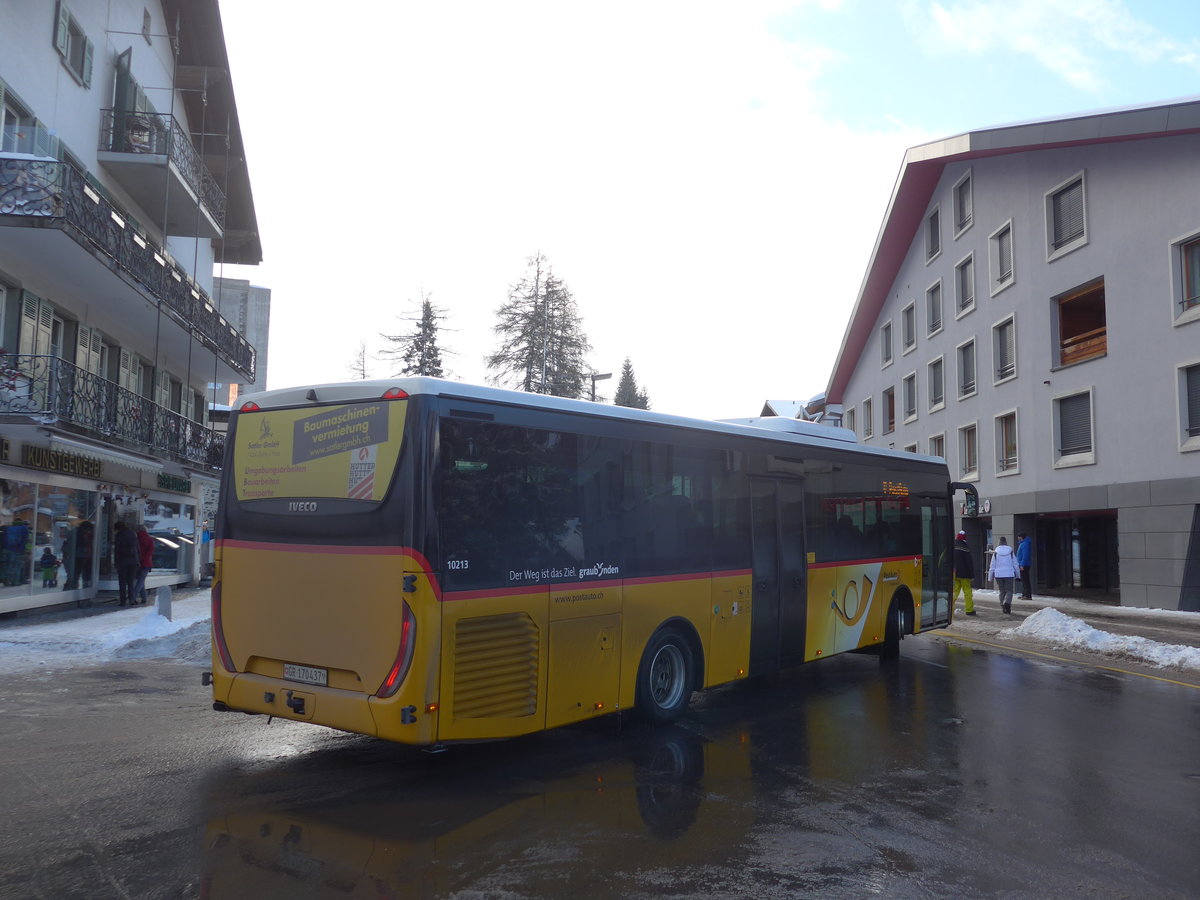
<point>336,452</point>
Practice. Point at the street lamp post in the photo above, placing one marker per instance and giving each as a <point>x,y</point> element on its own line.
<point>595,378</point>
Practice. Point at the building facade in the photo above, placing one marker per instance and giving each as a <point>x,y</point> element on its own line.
<point>123,183</point>
<point>1031,312</point>
<point>248,309</point>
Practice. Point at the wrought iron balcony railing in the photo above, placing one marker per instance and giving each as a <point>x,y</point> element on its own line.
<point>160,134</point>
<point>53,190</point>
<point>54,390</point>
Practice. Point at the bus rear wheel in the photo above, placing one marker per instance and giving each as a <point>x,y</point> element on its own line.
<point>664,684</point>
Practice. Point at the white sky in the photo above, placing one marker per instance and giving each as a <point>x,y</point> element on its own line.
<point>708,178</point>
<point>48,642</point>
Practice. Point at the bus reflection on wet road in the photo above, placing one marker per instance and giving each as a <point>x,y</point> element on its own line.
<point>950,772</point>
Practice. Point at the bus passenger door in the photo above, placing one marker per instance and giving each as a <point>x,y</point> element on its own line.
<point>778,610</point>
<point>936,552</point>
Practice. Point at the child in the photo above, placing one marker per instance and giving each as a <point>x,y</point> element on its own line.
<point>49,564</point>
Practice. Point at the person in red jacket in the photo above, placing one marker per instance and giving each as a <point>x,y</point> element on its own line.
<point>145,560</point>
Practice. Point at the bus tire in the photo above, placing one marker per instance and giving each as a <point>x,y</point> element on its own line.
<point>893,630</point>
<point>665,677</point>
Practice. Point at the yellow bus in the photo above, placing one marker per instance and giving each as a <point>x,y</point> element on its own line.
<point>427,561</point>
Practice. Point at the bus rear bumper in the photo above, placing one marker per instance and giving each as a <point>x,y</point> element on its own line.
<point>333,708</point>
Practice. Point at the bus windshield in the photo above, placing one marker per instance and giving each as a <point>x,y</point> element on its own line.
<point>347,451</point>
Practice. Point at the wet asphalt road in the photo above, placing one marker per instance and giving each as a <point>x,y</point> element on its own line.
<point>957,772</point>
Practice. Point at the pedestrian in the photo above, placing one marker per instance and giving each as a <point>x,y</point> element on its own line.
<point>1025,561</point>
<point>48,563</point>
<point>964,573</point>
<point>1004,570</point>
<point>145,561</point>
<point>126,558</point>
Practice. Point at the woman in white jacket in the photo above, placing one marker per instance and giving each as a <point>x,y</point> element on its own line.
<point>1004,569</point>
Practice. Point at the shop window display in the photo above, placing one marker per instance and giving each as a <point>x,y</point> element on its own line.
<point>47,537</point>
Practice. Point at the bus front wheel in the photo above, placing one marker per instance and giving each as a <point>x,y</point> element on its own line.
<point>893,631</point>
<point>664,684</point>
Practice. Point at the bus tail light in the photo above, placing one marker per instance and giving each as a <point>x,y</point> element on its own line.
<point>249,406</point>
<point>395,394</point>
<point>399,669</point>
<point>218,631</point>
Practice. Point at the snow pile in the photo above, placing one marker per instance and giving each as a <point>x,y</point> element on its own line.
<point>135,633</point>
<point>1060,630</point>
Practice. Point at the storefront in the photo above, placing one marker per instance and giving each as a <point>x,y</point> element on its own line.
<point>59,500</point>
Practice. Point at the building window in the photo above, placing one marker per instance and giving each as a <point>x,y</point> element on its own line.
<point>889,410</point>
<point>885,345</point>
<point>966,369</point>
<point>908,327</point>
<point>937,385</point>
<point>933,235</point>
<point>910,396</point>
<point>964,285</point>
<point>16,126</point>
<point>1006,443</point>
<point>848,420</point>
<point>146,21</point>
<point>1189,389</point>
<point>910,448</point>
<point>937,445</point>
<point>868,423</point>
<point>1185,261</point>
<point>73,46</point>
<point>1066,225</point>
<point>933,307</point>
<point>964,212</point>
<point>1001,258</point>
<point>1004,350</point>
<point>1073,430</point>
<point>1082,328</point>
<point>968,451</point>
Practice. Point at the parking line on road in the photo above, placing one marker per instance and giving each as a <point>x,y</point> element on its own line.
<point>1078,662</point>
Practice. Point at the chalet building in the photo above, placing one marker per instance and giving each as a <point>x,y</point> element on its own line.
<point>1031,312</point>
<point>123,183</point>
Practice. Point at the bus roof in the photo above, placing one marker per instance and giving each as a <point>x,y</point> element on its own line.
<point>811,434</point>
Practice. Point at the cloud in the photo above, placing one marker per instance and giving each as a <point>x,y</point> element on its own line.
<point>1070,38</point>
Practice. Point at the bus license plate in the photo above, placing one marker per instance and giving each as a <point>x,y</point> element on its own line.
<point>307,674</point>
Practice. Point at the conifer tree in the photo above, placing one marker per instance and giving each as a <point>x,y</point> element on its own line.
<point>542,343</point>
<point>628,393</point>
<point>418,353</point>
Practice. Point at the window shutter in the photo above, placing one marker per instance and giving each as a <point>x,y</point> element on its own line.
<point>1005,351</point>
<point>1075,424</point>
<point>62,29</point>
<point>43,142</point>
<point>962,197</point>
<point>966,357</point>
<point>1068,214</point>
<point>88,51</point>
<point>1191,274</point>
<point>1193,400</point>
<point>125,375</point>
<point>26,340</point>
<point>1005,254</point>
<point>87,353</point>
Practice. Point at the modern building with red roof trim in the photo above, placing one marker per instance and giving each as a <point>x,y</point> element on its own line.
<point>1031,311</point>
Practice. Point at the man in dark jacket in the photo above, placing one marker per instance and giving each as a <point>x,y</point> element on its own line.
<point>145,561</point>
<point>964,572</point>
<point>126,558</point>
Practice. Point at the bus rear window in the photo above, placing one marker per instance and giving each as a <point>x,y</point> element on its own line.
<point>344,452</point>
